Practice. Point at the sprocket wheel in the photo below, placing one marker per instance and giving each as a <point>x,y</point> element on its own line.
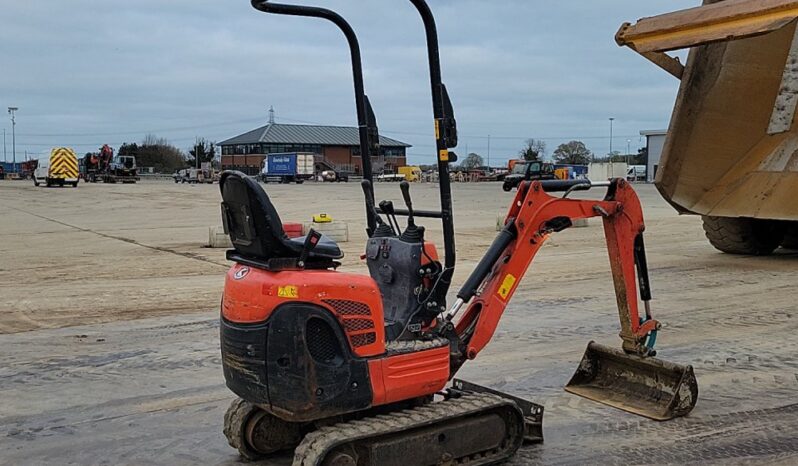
<point>256,433</point>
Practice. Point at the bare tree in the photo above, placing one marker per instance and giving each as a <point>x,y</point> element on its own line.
<point>535,149</point>
<point>473,160</point>
<point>153,140</point>
<point>574,152</point>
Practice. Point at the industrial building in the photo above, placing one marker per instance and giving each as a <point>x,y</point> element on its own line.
<point>336,147</point>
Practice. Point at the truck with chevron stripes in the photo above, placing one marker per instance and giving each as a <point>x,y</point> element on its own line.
<point>59,168</point>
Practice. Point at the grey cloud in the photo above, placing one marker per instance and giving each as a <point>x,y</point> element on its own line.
<point>109,71</point>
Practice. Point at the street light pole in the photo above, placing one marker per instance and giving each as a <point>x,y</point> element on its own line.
<point>488,152</point>
<point>611,120</point>
<point>12,111</point>
<point>5,158</point>
<point>628,150</point>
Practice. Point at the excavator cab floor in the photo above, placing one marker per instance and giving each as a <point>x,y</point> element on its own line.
<point>649,387</point>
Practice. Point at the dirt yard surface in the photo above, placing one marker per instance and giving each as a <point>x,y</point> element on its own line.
<point>110,349</point>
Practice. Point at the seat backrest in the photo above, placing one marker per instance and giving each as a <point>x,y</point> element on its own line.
<point>251,220</point>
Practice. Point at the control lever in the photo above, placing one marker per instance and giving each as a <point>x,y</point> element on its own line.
<point>413,233</point>
<point>390,213</point>
<point>382,228</point>
<point>405,187</point>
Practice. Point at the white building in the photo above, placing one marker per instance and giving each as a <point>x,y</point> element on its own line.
<point>655,141</point>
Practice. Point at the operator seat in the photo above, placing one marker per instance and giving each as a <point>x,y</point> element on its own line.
<point>257,233</point>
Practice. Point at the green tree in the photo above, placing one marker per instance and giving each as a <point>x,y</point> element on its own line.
<point>574,152</point>
<point>473,160</point>
<point>129,149</point>
<point>204,150</point>
<point>155,152</point>
<point>642,156</point>
<point>534,149</point>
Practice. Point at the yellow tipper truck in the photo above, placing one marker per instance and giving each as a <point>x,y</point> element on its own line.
<point>731,154</point>
<point>58,169</point>
<point>411,174</point>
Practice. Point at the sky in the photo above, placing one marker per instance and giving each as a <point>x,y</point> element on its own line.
<point>85,73</point>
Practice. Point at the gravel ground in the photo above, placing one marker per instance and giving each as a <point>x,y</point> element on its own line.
<point>108,307</point>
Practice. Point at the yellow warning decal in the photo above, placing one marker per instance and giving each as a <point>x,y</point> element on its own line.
<point>507,286</point>
<point>444,155</point>
<point>288,291</point>
<point>437,129</point>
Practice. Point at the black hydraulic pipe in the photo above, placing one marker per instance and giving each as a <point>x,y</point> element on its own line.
<point>366,121</point>
<point>553,186</point>
<point>417,213</point>
<point>642,268</point>
<point>445,134</point>
<point>483,269</point>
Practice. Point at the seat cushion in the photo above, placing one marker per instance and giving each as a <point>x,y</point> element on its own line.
<point>327,248</point>
<point>254,225</point>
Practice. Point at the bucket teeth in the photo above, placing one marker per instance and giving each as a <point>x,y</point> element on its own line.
<point>648,386</point>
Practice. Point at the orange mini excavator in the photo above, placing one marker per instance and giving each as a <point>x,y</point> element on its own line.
<point>349,369</point>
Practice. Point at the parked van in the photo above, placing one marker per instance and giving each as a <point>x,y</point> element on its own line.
<point>59,168</point>
<point>636,173</point>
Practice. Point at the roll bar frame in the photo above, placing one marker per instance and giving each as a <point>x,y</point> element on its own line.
<point>366,120</point>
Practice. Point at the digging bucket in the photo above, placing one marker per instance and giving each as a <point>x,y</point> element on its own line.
<point>649,387</point>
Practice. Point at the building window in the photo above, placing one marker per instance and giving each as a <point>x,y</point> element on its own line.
<point>282,148</point>
<point>384,151</point>
<point>392,151</point>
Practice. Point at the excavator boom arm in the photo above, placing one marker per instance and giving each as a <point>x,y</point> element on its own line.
<point>631,379</point>
<point>533,217</point>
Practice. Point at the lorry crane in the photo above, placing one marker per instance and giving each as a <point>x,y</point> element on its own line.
<point>351,369</point>
<point>106,167</point>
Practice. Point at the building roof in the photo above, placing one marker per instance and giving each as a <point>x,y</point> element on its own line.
<point>279,133</point>
<point>654,132</point>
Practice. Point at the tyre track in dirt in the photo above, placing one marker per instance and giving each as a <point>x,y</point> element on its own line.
<point>183,254</point>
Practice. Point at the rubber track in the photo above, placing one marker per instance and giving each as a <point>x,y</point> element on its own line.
<point>317,444</point>
<point>187,255</point>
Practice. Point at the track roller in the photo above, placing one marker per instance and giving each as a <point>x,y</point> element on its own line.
<point>256,433</point>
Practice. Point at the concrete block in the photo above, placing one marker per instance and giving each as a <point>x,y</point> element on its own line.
<point>336,231</point>
<point>581,223</point>
<point>217,238</point>
<point>500,222</point>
